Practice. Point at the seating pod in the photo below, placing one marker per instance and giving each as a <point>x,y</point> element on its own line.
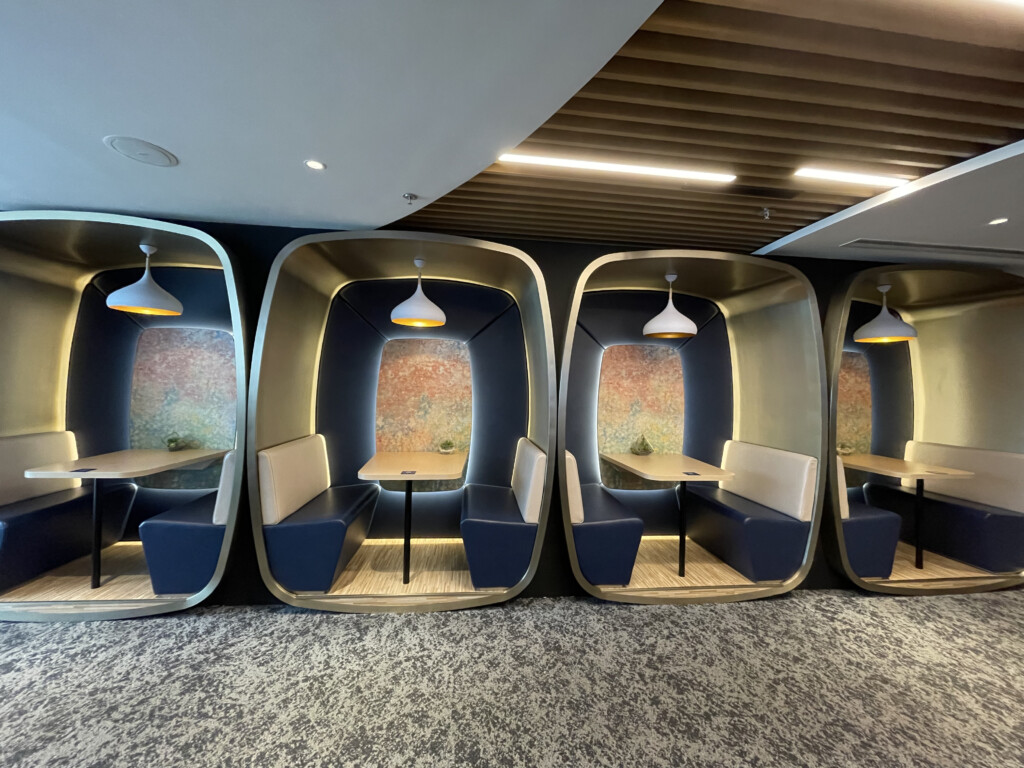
<point>337,383</point>
<point>744,396</point>
<point>949,399</point>
<point>80,379</point>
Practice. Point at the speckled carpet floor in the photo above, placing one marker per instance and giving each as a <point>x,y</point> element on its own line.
<point>811,679</point>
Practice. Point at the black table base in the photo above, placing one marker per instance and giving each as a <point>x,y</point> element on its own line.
<point>918,505</point>
<point>97,530</point>
<point>681,494</point>
<point>408,532</point>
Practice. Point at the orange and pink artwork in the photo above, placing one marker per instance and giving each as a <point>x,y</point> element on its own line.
<point>640,392</point>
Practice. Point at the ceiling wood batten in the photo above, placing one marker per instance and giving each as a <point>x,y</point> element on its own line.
<point>757,88</point>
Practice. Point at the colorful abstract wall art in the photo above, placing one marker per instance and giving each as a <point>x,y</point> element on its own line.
<point>853,405</point>
<point>640,392</point>
<point>424,396</point>
<point>183,382</point>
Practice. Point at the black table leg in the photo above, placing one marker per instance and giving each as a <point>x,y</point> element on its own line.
<point>682,529</point>
<point>408,531</point>
<point>97,530</point>
<point>918,503</point>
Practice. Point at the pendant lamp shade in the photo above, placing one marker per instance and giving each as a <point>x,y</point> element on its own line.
<point>670,323</point>
<point>144,297</point>
<point>886,327</point>
<point>418,311</point>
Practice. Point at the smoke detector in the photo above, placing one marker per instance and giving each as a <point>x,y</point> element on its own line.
<point>142,151</point>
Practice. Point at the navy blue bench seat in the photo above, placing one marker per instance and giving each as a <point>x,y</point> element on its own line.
<point>991,538</point>
<point>759,542</point>
<point>608,538</point>
<point>498,541</point>
<point>870,535</point>
<point>44,532</point>
<point>182,546</point>
<point>308,550</point>
<point>499,523</point>
<point>605,534</point>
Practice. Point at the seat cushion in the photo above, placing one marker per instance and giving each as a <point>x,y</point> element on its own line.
<point>761,543</point>
<point>182,547</point>
<point>44,532</point>
<point>987,537</point>
<point>870,535</point>
<point>998,476</point>
<point>608,539</point>
<point>498,542</point>
<point>308,549</point>
<point>528,475</point>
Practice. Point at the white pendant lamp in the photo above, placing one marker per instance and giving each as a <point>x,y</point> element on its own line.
<point>418,311</point>
<point>144,297</point>
<point>885,328</point>
<point>670,323</point>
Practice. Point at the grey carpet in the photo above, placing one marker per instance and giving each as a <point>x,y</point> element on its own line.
<point>811,679</point>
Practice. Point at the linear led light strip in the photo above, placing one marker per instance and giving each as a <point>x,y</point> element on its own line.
<point>851,178</point>
<point>640,170</point>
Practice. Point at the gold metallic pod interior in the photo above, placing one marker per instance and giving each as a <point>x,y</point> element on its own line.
<point>67,371</point>
<point>314,372</point>
<point>754,377</point>
<point>951,398</point>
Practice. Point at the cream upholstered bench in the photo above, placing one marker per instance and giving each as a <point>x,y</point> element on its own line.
<point>759,521</point>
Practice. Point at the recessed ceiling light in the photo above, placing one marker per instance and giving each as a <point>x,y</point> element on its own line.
<point>639,170</point>
<point>315,165</point>
<point>998,221</point>
<point>863,179</point>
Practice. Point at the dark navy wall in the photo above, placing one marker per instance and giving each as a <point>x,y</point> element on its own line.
<point>607,318</point>
<point>358,326</point>
<point>103,359</point>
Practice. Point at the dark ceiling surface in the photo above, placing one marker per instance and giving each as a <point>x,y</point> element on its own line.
<point>757,88</point>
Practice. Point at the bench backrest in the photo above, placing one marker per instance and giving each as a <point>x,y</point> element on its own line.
<point>781,480</point>
<point>844,500</point>
<point>572,485</point>
<point>292,474</point>
<point>227,477</point>
<point>998,477</point>
<point>27,452</point>
<point>528,479</point>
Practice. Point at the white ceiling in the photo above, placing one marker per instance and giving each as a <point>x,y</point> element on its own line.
<point>394,96</point>
<point>950,209</point>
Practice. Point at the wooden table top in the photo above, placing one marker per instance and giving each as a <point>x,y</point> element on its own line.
<point>905,470</point>
<point>122,465</point>
<point>414,465</point>
<point>668,467</point>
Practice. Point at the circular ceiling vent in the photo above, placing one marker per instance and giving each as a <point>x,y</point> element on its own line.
<point>143,151</point>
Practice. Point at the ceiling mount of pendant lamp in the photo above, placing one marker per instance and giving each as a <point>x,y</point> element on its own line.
<point>886,327</point>
<point>145,296</point>
<point>670,323</point>
<point>418,311</point>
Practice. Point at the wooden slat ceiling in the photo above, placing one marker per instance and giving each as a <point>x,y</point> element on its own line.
<point>757,88</point>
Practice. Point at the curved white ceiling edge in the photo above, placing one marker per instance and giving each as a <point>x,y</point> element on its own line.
<point>394,96</point>
<point>950,208</point>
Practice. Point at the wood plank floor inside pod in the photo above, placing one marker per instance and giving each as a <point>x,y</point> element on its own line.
<point>936,568</point>
<point>124,577</point>
<point>657,567</point>
<point>438,567</point>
